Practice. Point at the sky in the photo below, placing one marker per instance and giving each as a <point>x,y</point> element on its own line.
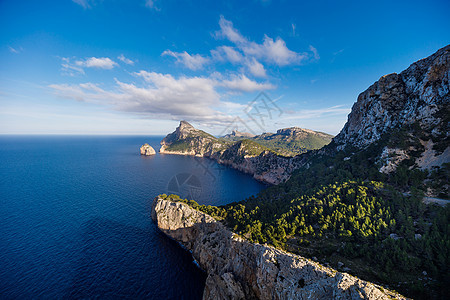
<point>140,66</point>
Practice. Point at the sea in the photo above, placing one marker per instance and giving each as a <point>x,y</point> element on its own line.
<point>75,217</point>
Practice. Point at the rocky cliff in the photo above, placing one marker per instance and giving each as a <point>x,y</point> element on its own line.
<point>238,269</point>
<point>413,104</point>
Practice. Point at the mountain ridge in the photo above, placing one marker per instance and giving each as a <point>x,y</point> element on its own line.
<point>246,154</point>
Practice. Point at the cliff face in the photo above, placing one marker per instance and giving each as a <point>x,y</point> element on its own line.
<point>417,94</point>
<point>238,269</point>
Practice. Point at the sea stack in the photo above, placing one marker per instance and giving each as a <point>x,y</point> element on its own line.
<point>146,149</point>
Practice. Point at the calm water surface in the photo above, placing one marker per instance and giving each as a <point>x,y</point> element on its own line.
<point>75,217</point>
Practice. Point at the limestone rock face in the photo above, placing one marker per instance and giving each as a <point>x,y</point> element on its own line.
<point>420,94</point>
<point>146,149</point>
<point>238,269</point>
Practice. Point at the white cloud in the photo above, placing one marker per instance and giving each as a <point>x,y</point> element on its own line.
<point>164,96</point>
<point>256,68</point>
<point>128,61</point>
<point>270,51</point>
<point>273,52</point>
<point>84,3</point>
<point>229,32</point>
<point>193,62</point>
<point>100,63</point>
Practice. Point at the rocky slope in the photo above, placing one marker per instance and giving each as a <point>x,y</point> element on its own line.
<point>238,269</point>
<point>411,107</point>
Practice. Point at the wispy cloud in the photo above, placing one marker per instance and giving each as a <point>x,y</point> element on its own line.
<point>14,50</point>
<point>73,67</point>
<point>152,5</point>
<point>315,52</point>
<point>122,58</point>
<point>227,53</point>
<point>69,68</point>
<point>193,62</point>
<point>242,83</point>
<point>83,3</point>
<point>293,29</point>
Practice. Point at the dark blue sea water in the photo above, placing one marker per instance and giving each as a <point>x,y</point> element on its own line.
<point>75,217</point>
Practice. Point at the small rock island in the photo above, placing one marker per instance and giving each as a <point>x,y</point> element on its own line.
<point>147,150</point>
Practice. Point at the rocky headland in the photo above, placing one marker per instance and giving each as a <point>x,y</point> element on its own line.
<point>245,154</point>
<point>238,269</point>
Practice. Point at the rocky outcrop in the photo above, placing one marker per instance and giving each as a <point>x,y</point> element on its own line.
<point>187,140</point>
<point>420,95</point>
<point>146,149</point>
<point>411,108</point>
<point>238,269</point>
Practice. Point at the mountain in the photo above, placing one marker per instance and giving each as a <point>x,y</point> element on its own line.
<point>294,140</point>
<point>288,141</point>
<point>187,140</point>
<point>357,204</point>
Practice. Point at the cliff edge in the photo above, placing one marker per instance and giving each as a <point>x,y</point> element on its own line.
<point>238,269</point>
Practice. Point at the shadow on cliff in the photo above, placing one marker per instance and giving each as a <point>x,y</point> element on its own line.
<point>123,261</point>
<point>230,263</point>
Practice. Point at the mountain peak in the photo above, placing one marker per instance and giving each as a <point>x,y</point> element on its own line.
<point>185,124</point>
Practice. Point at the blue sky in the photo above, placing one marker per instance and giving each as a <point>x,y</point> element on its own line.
<point>138,67</point>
